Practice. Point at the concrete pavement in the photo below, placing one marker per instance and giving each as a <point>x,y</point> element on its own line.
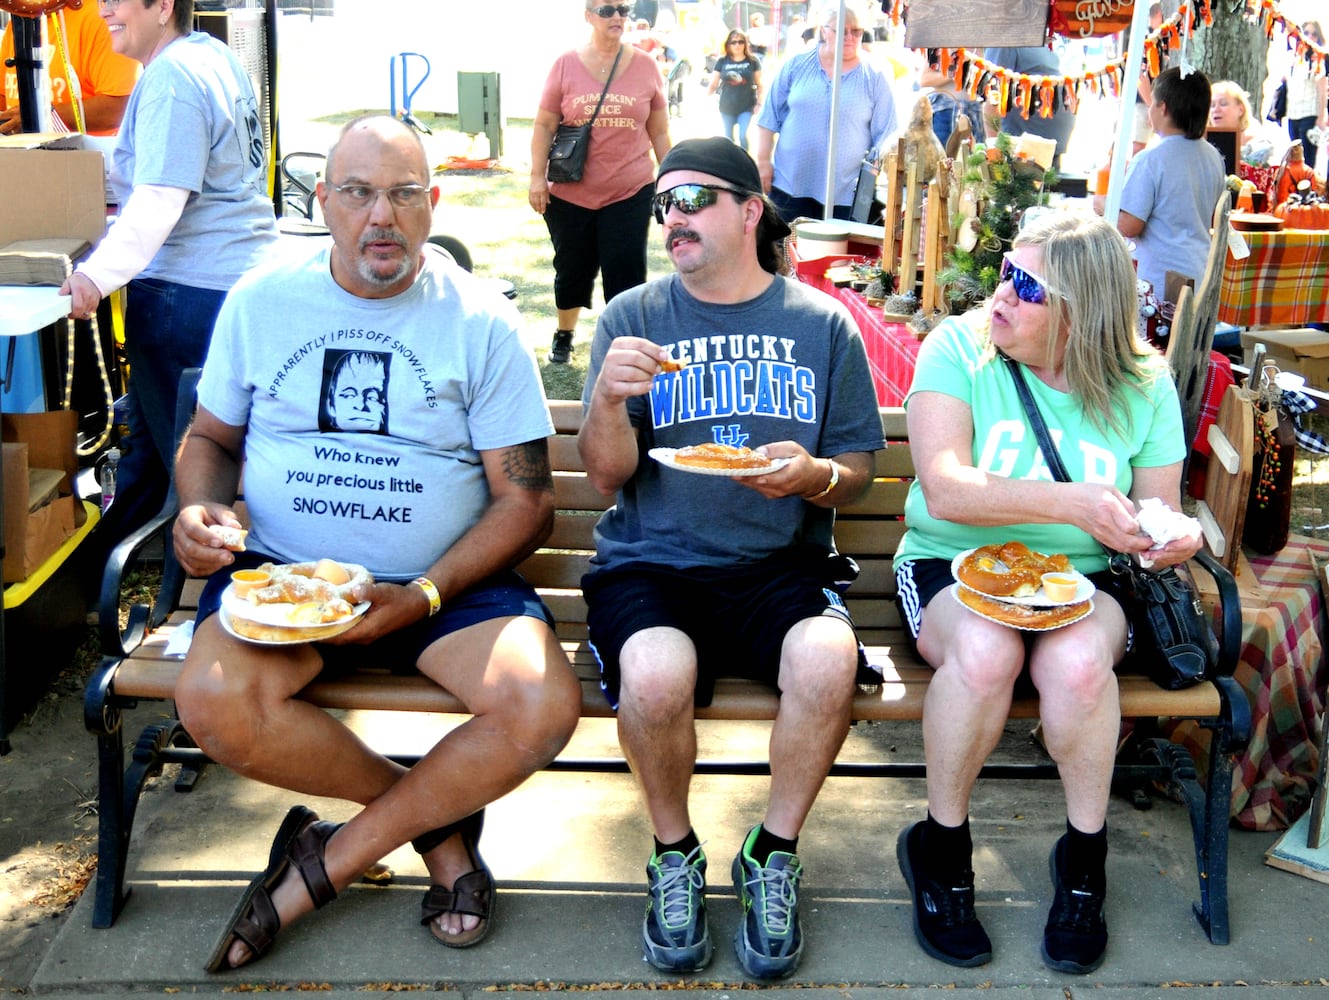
<point>568,851</point>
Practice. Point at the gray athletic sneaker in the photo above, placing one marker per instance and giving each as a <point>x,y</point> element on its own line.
<point>769,941</point>
<point>674,934</point>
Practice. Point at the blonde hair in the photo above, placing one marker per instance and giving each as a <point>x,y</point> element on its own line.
<point>1232,89</point>
<point>1089,269</point>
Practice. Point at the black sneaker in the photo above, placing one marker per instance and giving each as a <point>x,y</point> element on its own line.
<point>1075,937</point>
<point>945,923</point>
<point>561,350</point>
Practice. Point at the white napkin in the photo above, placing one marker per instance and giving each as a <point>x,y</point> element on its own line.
<point>1161,523</point>
<point>178,644</point>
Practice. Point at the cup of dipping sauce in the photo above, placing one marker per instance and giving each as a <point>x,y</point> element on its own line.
<point>1060,586</point>
<point>246,580</point>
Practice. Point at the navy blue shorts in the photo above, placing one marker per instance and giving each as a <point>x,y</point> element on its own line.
<point>737,617</point>
<point>503,595</point>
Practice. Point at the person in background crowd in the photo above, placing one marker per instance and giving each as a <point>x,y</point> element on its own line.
<point>759,35</point>
<point>1306,105</point>
<point>1063,315</point>
<point>1172,186</point>
<point>599,224</point>
<point>696,577</point>
<point>1144,90</point>
<point>190,175</point>
<point>1261,143</point>
<point>737,76</point>
<point>798,110</point>
<point>81,43</point>
<point>948,103</point>
<point>1035,60</point>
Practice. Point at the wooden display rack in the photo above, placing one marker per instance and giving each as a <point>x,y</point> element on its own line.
<point>917,221</point>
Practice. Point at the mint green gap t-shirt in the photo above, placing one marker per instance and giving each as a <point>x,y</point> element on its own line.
<point>952,361</point>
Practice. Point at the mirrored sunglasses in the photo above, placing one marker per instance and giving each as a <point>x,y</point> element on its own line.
<point>1028,286</point>
<point>609,10</point>
<point>689,199</point>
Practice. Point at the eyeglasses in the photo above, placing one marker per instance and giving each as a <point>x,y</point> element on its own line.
<point>689,199</point>
<point>735,41</point>
<point>401,196</point>
<point>108,4</point>
<point>609,10</point>
<point>1028,286</point>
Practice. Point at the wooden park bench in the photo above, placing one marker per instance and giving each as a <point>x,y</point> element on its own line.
<point>134,669</point>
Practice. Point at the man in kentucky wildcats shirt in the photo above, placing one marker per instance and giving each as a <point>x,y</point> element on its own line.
<point>699,576</point>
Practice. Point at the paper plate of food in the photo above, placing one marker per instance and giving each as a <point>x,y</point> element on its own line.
<point>718,460</point>
<point>1014,574</point>
<point>1021,616</point>
<point>293,602</point>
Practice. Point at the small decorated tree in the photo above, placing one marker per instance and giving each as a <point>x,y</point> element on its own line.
<point>1005,187</point>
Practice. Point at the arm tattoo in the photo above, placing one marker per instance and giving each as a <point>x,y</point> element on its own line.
<point>527,465</point>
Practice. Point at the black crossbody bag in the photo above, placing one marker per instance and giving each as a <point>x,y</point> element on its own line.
<point>1173,641</point>
<point>567,153</point>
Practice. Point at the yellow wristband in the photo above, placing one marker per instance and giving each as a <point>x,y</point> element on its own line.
<point>835,481</point>
<point>431,592</point>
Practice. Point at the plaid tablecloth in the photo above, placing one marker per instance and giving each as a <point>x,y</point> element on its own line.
<point>892,347</point>
<point>1283,673</point>
<point>1282,281</point>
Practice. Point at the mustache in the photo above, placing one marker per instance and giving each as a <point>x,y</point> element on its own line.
<point>681,234</point>
<point>380,235</point>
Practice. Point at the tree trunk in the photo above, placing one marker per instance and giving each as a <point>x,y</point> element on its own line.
<point>1232,48</point>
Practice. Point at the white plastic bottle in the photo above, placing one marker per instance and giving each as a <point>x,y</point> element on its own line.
<point>106,477</point>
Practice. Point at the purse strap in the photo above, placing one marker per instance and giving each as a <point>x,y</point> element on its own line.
<point>1050,453</point>
<point>596,113</point>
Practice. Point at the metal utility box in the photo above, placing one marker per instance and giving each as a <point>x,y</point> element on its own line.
<point>478,108</point>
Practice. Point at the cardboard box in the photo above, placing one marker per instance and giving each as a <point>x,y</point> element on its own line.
<point>38,441</point>
<point>54,187</point>
<point>1303,351</point>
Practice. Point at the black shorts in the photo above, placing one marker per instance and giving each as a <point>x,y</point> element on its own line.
<point>737,617</point>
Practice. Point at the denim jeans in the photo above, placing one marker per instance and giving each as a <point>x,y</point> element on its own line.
<point>167,329</point>
<point>1299,128</point>
<point>739,121</point>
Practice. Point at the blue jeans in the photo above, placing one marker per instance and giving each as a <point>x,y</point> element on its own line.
<point>739,121</point>
<point>167,329</point>
<point>1298,128</point>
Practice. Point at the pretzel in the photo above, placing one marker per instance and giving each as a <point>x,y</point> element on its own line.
<point>322,582</point>
<point>1011,569</point>
<point>1022,615</point>
<point>721,456</point>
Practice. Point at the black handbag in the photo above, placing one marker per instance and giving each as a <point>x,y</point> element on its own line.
<point>1278,106</point>
<point>1173,642</point>
<point>567,153</point>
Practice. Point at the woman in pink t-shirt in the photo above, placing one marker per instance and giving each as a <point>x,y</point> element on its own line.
<point>600,223</point>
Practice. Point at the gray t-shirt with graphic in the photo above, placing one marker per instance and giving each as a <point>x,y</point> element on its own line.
<point>788,365</point>
<point>366,417</point>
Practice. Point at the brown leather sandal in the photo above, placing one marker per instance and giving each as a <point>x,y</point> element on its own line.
<point>473,893</point>
<point>300,843</point>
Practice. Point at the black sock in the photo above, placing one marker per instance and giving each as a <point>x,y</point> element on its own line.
<point>684,847</point>
<point>1086,858</point>
<point>947,850</point>
<point>768,843</point>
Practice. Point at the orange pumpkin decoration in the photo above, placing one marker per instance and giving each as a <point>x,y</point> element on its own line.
<point>1304,209</point>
